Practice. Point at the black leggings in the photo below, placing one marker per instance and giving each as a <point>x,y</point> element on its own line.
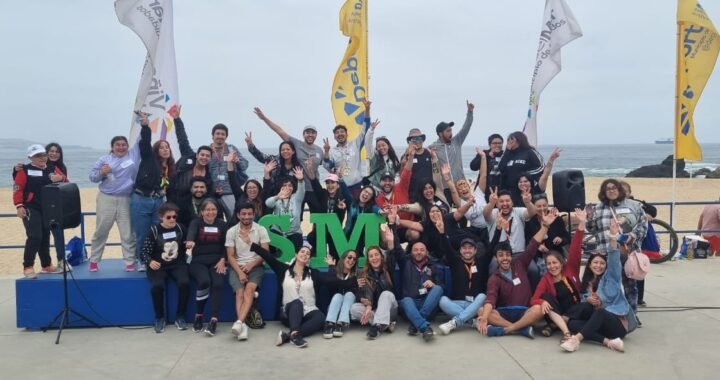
<point>209,283</point>
<point>179,273</point>
<point>38,239</point>
<point>603,324</point>
<point>307,324</point>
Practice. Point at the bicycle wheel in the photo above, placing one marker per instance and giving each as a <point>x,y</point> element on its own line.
<point>667,240</point>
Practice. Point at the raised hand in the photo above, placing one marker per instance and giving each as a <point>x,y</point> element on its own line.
<point>470,106</point>
<point>259,113</point>
<point>341,204</point>
<point>480,151</point>
<point>493,195</point>
<point>326,145</point>
<point>232,156</point>
<point>550,217</point>
<point>174,112</point>
<point>526,196</point>
<point>269,167</point>
<point>374,124</point>
<point>554,155</point>
<point>298,173</point>
<point>144,117</point>
<point>284,193</point>
<point>367,105</point>
<point>581,215</point>
<point>329,260</point>
<point>614,228</point>
<point>445,170</point>
<point>248,138</point>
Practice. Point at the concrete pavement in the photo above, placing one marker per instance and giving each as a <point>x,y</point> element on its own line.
<point>671,345</point>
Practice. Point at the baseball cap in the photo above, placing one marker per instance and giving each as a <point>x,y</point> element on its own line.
<point>332,177</point>
<point>35,149</point>
<point>310,128</point>
<point>443,126</point>
<point>468,241</point>
<point>387,175</point>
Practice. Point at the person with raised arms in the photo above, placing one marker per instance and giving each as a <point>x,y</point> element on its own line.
<point>501,205</point>
<point>612,318</point>
<point>286,160</point>
<point>558,292</point>
<point>245,269</point>
<point>344,159</point>
<point>155,173</point>
<point>449,146</point>
<point>519,158</point>
<point>218,167</point>
<point>298,285</point>
<point>330,200</point>
<point>190,164</point>
<point>304,149</point>
<point>392,193</point>
<point>506,308</point>
<point>115,173</point>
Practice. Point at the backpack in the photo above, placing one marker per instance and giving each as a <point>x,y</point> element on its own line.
<point>637,265</point>
<point>254,319</point>
<point>75,252</point>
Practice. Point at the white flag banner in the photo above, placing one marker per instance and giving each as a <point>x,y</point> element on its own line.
<point>558,29</point>
<point>152,21</point>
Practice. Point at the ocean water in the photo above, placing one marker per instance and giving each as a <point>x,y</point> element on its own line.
<point>593,160</point>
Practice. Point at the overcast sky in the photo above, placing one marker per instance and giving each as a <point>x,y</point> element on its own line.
<point>69,70</point>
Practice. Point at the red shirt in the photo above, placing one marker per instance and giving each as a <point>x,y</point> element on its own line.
<point>571,270</point>
<point>399,196</point>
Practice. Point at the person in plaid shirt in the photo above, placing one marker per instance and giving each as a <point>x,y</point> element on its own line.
<point>614,204</point>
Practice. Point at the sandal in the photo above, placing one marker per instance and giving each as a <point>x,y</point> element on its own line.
<point>565,337</point>
<point>547,330</point>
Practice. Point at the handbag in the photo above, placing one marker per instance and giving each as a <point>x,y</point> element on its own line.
<point>637,265</point>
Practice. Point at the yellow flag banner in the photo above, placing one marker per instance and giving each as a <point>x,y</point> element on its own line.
<point>350,86</point>
<point>698,47</point>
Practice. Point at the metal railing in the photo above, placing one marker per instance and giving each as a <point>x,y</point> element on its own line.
<point>656,204</point>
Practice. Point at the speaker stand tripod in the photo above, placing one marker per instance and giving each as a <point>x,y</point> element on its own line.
<point>64,315</point>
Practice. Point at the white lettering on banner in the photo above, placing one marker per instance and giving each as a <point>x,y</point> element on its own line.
<point>157,9</point>
<point>358,90</point>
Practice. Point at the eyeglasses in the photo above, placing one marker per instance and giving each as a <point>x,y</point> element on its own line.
<point>611,188</point>
<point>170,217</point>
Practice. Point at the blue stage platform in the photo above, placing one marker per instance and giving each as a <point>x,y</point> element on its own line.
<point>113,297</point>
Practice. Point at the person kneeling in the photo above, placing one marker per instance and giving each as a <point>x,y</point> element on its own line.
<point>164,254</point>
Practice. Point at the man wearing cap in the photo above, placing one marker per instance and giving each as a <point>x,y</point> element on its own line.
<point>422,169</point>
<point>330,200</point>
<point>27,197</point>
<point>392,193</point>
<point>344,159</point>
<point>304,149</point>
<point>449,147</point>
<point>469,273</point>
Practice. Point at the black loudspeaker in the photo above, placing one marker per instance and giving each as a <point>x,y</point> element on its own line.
<point>61,205</point>
<point>568,190</point>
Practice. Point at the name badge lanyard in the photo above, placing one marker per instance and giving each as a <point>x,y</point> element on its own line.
<point>468,268</point>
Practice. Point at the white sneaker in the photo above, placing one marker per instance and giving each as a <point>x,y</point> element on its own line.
<point>448,326</point>
<point>237,328</point>
<point>243,332</point>
<point>616,345</point>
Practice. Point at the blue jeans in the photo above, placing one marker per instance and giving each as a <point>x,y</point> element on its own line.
<point>143,214</point>
<point>418,310</point>
<point>461,310</point>
<point>339,309</point>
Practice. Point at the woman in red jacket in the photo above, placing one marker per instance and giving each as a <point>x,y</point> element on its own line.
<point>558,292</point>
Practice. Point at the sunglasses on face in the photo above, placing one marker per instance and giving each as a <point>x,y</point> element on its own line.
<point>420,138</point>
<point>353,258</point>
<point>170,217</point>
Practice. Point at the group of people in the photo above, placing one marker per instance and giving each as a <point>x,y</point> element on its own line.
<point>511,259</point>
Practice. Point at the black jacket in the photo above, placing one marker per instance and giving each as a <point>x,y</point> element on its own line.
<point>477,283</point>
<point>493,178</point>
<point>150,171</point>
<point>179,188</point>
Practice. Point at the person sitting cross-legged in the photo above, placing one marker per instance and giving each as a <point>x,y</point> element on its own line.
<point>508,292</point>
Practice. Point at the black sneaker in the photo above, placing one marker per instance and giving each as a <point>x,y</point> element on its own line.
<point>198,324</point>
<point>159,325</point>
<point>211,327</point>
<point>428,334</point>
<point>412,330</point>
<point>339,329</point>
<point>328,330</point>
<point>180,323</point>
<point>298,341</point>
<point>374,332</point>
<point>282,338</point>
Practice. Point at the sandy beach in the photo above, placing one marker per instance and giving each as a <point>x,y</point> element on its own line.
<point>648,189</point>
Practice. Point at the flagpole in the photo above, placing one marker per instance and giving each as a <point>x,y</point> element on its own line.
<point>677,119</point>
